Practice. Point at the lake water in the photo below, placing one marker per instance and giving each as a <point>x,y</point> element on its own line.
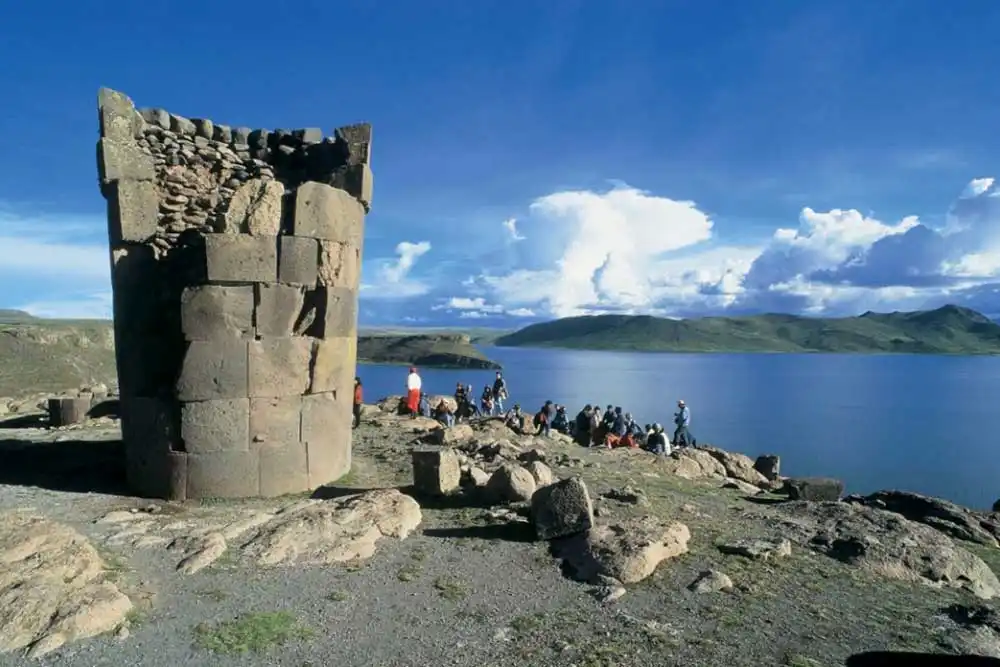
<point>914,422</point>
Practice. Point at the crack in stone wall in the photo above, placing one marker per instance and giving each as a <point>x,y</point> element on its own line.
<point>236,259</point>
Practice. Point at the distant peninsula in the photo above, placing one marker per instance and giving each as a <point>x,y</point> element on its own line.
<point>946,330</point>
<point>437,350</point>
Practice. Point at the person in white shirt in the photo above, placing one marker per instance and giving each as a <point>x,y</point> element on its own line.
<point>413,387</point>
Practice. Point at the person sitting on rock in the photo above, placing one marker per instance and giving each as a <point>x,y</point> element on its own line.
<point>581,429</point>
<point>682,421</point>
<point>657,441</point>
<point>424,405</point>
<point>413,387</point>
<point>608,418</point>
<point>443,413</point>
<point>514,419</point>
<point>597,429</point>
<point>499,392</point>
<point>486,400</point>
<point>561,422</point>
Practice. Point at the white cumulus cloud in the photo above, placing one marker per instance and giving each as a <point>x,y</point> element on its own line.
<point>392,276</point>
<point>510,226</point>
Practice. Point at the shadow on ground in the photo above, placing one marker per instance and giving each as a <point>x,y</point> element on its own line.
<point>514,531</point>
<point>26,421</point>
<point>901,659</point>
<point>80,466</point>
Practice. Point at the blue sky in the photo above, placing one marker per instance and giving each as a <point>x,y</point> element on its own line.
<point>542,159</point>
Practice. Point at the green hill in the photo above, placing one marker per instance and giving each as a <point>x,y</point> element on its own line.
<point>428,350</point>
<point>946,330</point>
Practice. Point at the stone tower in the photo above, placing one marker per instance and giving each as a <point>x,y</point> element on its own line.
<point>236,256</point>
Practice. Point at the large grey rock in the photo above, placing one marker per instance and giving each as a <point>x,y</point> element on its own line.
<point>436,471</point>
<point>562,509</point>
<point>511,483</point>
<point>814,488</point>
<point>255,208</point>
<point>768,465</point>
<point>951,519</point>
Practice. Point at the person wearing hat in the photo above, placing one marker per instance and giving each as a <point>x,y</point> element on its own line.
<point>682,420</point>
<point>413,386</point>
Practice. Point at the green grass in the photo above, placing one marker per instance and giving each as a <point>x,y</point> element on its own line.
<point>337,596</point>
<point>451,589</point>
<point>946,330</point>
<point>251,632</point>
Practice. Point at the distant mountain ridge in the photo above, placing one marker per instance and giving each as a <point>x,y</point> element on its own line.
<point>947,330</point>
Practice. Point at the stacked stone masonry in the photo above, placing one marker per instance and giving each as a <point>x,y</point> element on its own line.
<point>236,258</point>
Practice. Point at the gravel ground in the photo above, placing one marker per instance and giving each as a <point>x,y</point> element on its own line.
<point>463,592</point>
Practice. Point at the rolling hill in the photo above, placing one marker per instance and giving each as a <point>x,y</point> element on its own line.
<point>946,330</point>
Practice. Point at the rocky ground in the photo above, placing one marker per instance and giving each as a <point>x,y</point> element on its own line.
<point>688,560</point>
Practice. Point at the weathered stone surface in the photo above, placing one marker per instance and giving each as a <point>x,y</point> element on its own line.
<point>737,466</point>
<point>181,125</point>
<point>334,364</point>
<point>213,369</point>
<point>216,426</point>
<point>217,312</point>
<point>758,549</point>
<point>741,486</point>
<point>358,138</point>
<point>951,519</point>
<point>541,472</point>
<point>279,366</point>
<point>511,483</point>
<point>768,465</point>
<point>814,488</point>
<point>452,436</point>
<point>121,161</point>
<point>204,127</point>
<point>339,265</point>
<point>119,119</point>
<point>223,475</point>
<point>53,588</point>
<point>436,471</point>
<point>241,258</point>
<point>712,581</point>
<point>326,212</point>
<point>67,411</point>
<point>275,421</point>
<point>325,532</point>
<point>326,429</point>
<point>628,551</point>
<point>562,509</point>
<point>255,208</point>
<point>884,543</point>
<point>365,185</point>
<point>691,463</point>
<point>298,260</point>
<point>277,308</point>
<point>284,470</point>
<point>132,210</point>
<point>338,312</point>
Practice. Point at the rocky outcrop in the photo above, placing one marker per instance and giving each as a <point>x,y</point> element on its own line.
<point>54,587</point>
<point>951,519</point>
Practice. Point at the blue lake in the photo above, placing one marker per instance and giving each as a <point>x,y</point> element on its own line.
<point>914,422</point>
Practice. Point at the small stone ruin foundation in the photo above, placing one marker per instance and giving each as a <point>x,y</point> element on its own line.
<point>236,256</point>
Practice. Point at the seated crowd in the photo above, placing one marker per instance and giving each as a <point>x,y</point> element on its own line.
<point>592,426</point>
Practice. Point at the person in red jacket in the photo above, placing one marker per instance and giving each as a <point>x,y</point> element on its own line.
<point>359,399</point>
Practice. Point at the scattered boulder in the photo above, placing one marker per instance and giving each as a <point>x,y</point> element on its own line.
<point>562,509</point>
<point>758,549</point>
<point>711,581</point>
<point>452,435</point>
<point>951,519</point>
<point>885,543</point>
<point>436,472</point>
<point>628,551</point>
<point>492,450</point>
<point>334,531</point>
<point>53,587</point>
<point>817,489</point>
<point>208,550</point>
<point>474,477</point>
<point>768,465</point>
<point>977,632</point>
<point>628,495</point>
<point>541,472</point>
<point>68,411</point>
<point>737,466</point>
<point>741,486</point>
<point>533,454</point>
<point>691,463</point>
<point>511,483</point>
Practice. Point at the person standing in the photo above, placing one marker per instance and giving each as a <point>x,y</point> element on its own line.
<point>413,387</point>
<point>682,420</point>
<point>499,393</point>
<point>359,399</point>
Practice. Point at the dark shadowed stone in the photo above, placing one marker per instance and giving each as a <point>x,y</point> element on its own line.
<point>814,488</point>
<point>947,517</point>
<point>768,465</point>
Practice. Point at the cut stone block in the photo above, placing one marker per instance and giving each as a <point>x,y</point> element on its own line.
<point>297,261</point>
<point>365,185</point>
<point>213,369</point>
<point>329,459</point>
<point>277,309</point>
<point>123,161</point>
<point>255,208</point>
<point>814,488</point>
<point>67,411</point>
<point>325,212</point>
<point>275,421</point>
<point>562,509</point>
<point>338,312</point>
<point>119,119</point>
<point>223,475</point>
<point>339,265</point>
<point>334,364</point>
<point>279,366</point>
<point>358,138</point>
<point>221,425</point>
<point>326,428</point>
<point>436,472</point>
<point>211,312</point>
<point>241,258</point>
<point>284,470</point>
<point>133,207</point>
<point>176,476</point>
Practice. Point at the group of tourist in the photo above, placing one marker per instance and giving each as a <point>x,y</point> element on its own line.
<point>592,426</point>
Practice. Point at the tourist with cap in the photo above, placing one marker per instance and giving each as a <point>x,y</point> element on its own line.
<point>682,420</point>
<point>413,387</point>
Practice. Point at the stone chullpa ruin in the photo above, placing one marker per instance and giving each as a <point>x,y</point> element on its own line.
<point>236,256</point>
